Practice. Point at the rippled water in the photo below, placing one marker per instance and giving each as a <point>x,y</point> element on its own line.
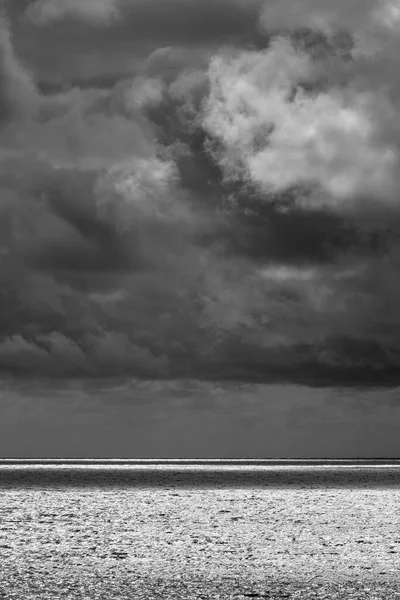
<point>199,529</point>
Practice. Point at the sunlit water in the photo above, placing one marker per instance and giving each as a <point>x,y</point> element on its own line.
<point>204,529</point>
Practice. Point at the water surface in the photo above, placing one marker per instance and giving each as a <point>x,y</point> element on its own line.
<point>196,530</point>
<point>217,473</point>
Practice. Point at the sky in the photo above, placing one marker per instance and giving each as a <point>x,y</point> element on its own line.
<point>199,228</point>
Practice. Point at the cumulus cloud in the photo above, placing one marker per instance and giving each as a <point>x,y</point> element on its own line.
<point>226,209</point>
<point>292,116</point>
<point>279,136</point>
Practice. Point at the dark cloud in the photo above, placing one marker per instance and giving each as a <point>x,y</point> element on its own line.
<point>176,21</point>
<point>183,201</point>
<point>104,51</point>
<point>264,232</point>
<point>18,96</point>
<point>116,418</point>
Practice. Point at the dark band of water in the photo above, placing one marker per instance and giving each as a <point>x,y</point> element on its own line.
<point>273,462</point>
<point>203,474</point>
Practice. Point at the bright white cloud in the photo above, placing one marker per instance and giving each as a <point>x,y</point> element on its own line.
<point>280,136</point>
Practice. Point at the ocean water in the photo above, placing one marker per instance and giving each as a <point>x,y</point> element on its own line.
<point>200,473</point>
<point>199,529</point>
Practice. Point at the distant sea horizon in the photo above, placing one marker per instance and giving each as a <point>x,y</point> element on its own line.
<point>155,460</point>
<point>207,472</point>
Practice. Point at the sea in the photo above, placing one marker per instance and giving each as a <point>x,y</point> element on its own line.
<point>215,473</point>
<point>156,528</point>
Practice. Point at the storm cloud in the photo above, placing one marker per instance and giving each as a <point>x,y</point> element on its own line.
<point>209,191</point>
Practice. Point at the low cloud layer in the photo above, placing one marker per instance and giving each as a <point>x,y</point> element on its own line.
<point>220,207</point>
<point>192,419</point>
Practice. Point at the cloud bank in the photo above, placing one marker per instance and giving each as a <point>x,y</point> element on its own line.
<point>222,205</point>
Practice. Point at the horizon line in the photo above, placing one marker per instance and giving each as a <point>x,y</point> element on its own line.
<point>160,460</point>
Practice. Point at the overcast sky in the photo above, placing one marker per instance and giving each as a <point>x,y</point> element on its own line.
<point>199,201</point>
